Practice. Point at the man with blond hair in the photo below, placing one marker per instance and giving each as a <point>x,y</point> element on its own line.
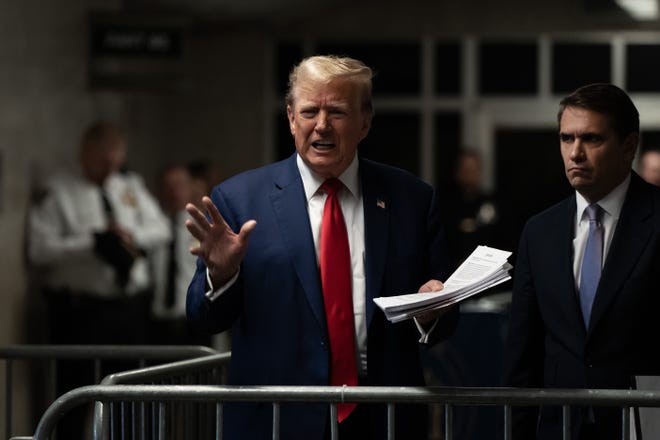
<point>293,253</point>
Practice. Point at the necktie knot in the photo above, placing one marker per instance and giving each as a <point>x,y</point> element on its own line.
<point>331,186</point>
<point>593,212</point>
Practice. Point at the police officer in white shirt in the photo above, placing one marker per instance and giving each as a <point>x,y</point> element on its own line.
<point>88,242</point>
<point>91,233</point>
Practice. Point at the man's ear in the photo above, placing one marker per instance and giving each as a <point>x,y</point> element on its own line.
<point>291,116</point>
<point>366,125</point>
<point>630,146</point>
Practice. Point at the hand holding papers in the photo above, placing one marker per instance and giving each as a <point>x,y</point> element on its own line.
<point>484,268</point>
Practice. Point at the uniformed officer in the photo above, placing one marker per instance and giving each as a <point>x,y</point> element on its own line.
<point>89,238</point>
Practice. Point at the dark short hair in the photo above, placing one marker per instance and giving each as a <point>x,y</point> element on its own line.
<point>608,100</point>
<point>101,132</point>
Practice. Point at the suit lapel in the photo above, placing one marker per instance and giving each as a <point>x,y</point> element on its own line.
<point>569,296</point>
<point>376,225</point>
<point>290,207</point>
<point>630,239</point>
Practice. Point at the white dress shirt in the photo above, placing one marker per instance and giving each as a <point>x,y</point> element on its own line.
<point>611,205</point>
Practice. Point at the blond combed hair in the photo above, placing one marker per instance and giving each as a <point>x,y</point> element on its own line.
<point>324,69</point>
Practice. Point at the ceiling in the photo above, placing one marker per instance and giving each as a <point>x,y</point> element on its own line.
<point>282,9</point>
<point>249,9</point>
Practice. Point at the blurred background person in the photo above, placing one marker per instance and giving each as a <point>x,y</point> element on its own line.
<point>649,166</point>
<point>174,265</point>
<point>88,240</point>
<point>472,214</point>
<point>205,175</point>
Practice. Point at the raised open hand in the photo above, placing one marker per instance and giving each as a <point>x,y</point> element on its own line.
<point>219,247</point>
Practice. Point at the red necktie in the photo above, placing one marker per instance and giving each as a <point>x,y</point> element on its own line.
<point>336,281</point>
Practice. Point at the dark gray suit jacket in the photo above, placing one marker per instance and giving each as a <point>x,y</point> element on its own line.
<point>548,344</point>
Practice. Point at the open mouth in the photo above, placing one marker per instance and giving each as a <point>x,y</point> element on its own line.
<point>323,145</point>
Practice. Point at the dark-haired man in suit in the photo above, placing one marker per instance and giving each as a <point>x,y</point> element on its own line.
<point>279,291</point>
<point>585,299</point>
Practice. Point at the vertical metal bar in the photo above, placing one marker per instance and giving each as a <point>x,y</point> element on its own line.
<point>276,421</point>
<point>112,420</point>
<point>390,422</point>
<point>133,420</point>
<point>161,421</point>
<point>507,422</point>
<point>143,419</point>
<point>625,423</point>
<point>566,422</point>
<point>154,419</point>
<point>8,396</point>
<point>334,425</point>
<point>210,421</point>
<point>122,406</point>
<point>449,422</point>
<point>198,409</point>
<point>170,417</point>
<point>218,421</point>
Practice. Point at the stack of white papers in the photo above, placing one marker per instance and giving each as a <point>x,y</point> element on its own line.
<point>484,268</point>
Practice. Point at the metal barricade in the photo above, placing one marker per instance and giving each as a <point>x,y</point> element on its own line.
<point>194,419</point>
<point>98,354</point>
<point>449,397</point>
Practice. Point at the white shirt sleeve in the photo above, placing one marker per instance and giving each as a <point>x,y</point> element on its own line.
<point>213,294</point>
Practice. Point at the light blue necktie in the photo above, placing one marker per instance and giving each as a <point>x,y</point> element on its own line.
<point>591,263</point>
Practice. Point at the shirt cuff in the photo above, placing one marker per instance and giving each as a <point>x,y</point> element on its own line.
<point>425,334</point>
<point>212,294</point>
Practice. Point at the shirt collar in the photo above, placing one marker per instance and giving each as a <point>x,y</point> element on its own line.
<point>312,181</point>
<point>611,203</point>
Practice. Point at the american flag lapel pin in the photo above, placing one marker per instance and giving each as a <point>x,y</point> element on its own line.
<point>380,203</point>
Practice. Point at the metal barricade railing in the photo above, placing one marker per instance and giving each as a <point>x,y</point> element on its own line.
<point>207,370</point>
<point>449,397</point>
<point>141,354</point>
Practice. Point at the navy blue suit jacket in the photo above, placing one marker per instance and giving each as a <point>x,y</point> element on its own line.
<point>549,345</point>
<point>275,309</point>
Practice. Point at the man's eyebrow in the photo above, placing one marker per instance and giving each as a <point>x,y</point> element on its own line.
<point>581,135</point>
<point>337,106</point>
